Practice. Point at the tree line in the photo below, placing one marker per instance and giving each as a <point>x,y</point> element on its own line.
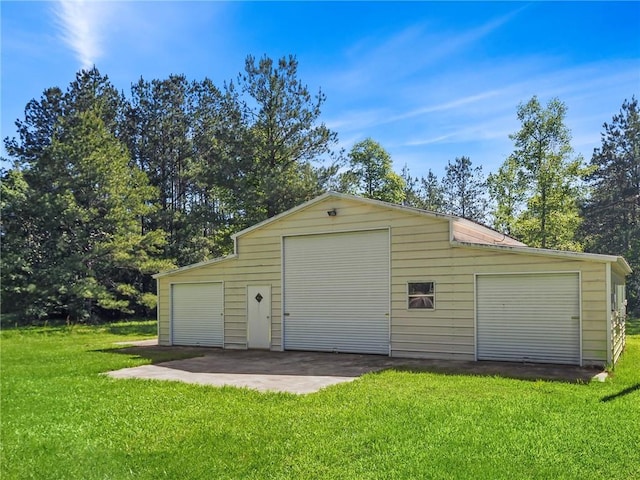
<point>107,188</point>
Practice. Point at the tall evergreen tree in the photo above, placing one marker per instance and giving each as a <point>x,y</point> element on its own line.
<point>275,170</point>
<point>463,190</point>
<point>219,137</point>
<point>93,91</point>
<point>432,197</point>
<point>72,239</point>
<point>36,132</point>
<point>423,192</point>
<point>612,211</point>
<point>80,211</point>
<point>160,125</point>
<point>411,188</point>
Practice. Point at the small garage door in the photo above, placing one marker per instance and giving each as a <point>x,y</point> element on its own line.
<point>532,317</point>
<point>337,292</point>
<point>197,314</point>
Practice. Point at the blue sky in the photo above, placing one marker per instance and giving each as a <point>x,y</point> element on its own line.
<point>430,81</point>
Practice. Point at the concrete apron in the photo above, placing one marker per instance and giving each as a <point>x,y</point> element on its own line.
<point>308,372</point>
<point>293,372</point>
<point>263,383</point>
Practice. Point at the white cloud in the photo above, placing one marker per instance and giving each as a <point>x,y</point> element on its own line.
<point>451,105</point>
<point>417,49</point>
<point>80,23</point>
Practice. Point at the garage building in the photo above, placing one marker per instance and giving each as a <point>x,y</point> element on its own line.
<point>347,274</point>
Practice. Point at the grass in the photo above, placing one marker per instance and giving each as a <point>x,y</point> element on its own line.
<point>633,326</point>
<point>61,419</point>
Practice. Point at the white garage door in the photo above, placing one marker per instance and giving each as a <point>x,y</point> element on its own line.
<point>337,292</point>
<point>197,314</point>
<point>532,317</point>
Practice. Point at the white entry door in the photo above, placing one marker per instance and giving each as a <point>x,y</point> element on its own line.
<point>259,316</point>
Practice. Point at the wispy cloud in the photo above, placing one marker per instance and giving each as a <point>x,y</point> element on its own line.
<point>80,27</point>
<point>472,106</point>
<point>441,107</point>
<point>410,51</point>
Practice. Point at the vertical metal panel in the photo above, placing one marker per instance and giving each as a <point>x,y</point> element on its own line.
<point>529,317</point>
<point>197,314</point>
<point>336,292</point>
<point>160,339</point>
<point>608,282</point>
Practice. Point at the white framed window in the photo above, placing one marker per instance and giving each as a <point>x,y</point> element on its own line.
<point>421,295</point>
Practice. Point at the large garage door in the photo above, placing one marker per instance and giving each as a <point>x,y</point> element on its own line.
<point>337,292</point>
<point>197,314</point>
<point>533,317</point>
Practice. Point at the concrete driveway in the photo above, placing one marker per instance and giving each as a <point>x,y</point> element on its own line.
<point>308,372</point>
<point>294,372</point>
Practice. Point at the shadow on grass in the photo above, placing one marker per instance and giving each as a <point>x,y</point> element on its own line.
<point>632,327</point>
<point>621,393</point>
<point>133,328</point>
<point>119,327</point>
<point>159,354</point>
<point>509,370</point>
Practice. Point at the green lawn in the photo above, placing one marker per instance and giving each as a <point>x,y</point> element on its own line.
<point>62,420</point>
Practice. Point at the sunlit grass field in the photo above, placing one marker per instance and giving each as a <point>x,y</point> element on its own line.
<point>62,419</point>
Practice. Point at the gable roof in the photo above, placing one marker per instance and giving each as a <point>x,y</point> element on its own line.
<point>204,263</point>
<point>463,232</point>
<point>489,232</point>
<point>569,255</point>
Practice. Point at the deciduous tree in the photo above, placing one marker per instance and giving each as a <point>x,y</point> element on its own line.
<point>507,188</point>
<point>371,173</point>
<point>546,211</point>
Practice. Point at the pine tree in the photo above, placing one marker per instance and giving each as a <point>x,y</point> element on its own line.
<point>432,197</point>
<point>274,170</point>
<point>463,190</point>
<point>161,134</point>
<point>411,188</point>
<point>72,234</point>
<point>101,254</point>
<point>612,211</point>
<point>423,192</point>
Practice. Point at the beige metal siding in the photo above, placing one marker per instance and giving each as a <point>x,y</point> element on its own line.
<point>420,250</point>
<point>453,271</point>
<point>336,294</point>
<point>237,274</point>
<point>528,317</point>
